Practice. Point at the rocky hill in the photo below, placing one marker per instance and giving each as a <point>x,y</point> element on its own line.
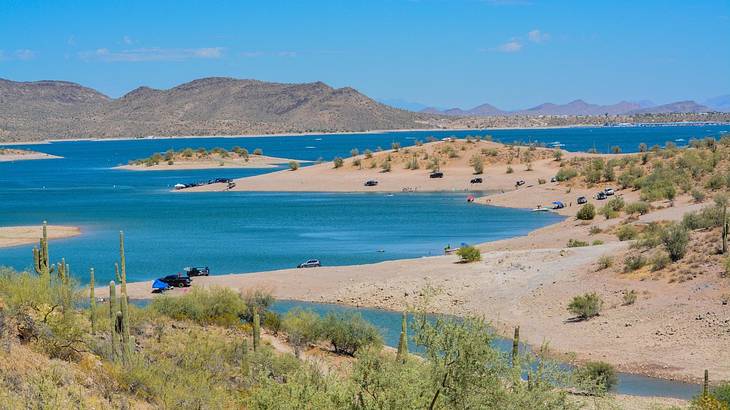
<point>209,106</point>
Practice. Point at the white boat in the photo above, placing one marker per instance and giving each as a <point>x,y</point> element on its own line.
<point>179,186</point>
<point>540,209</point>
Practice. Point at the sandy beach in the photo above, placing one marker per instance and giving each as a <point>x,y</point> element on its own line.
<point>23,235</point>
<point>9,154</point>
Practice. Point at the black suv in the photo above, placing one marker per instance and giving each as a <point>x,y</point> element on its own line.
<point>476,180</point>
<point>197,271</point>
<point>436,175</point>
<point>582,200</point>
<point>371,182</point>
<point>179,280</point>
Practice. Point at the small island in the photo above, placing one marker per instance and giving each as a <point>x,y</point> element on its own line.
<point>12,154</point>
<point>202,158</point>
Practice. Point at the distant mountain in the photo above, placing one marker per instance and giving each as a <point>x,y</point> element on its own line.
<point>208,106</point>
<point>402,104</point>
<point>577,107</point>
<point>675,107</point>
<point>719,103</point>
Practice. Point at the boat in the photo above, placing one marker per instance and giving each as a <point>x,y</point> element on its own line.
<point>180,186</point>
<point>470,198</point>
<point>540,209</point>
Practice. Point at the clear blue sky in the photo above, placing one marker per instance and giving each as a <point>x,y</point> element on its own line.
<point>512,53</point>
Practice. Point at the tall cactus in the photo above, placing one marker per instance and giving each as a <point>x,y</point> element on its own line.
<point>41,263</point>
<point>516,346</point>
<point>403,341</point>
<point>706,384</point>
<point>92,302</point>
<point>256,330</point>
<point>113,319</point>
<point>124,308</point>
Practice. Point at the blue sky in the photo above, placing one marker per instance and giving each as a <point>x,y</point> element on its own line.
<point>511,53</point>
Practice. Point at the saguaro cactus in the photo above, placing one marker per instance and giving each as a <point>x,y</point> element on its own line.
<point>112,318</point>
<point>92,301</point>
<point>41,263</point>
<point>403,341</point>
<point>125,307</point>
<point>516,346</point>
<point>256,330</point>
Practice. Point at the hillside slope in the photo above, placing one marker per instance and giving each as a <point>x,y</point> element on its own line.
<point>209,106</point>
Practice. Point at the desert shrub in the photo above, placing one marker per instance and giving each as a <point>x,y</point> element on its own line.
<point>626,232</point>
<point>596,377</point>
<point>605,262</point>
<point>715,182</point>
<point>385,166</point>
<point>477,163</point>
<point>586,213</point>
<point>204,306</point>
<point>293,165</point>
<point>368,154</point>
<point>634,262</point>
<point>354,152</point>
<point>272,322</point>
<point>510,170</point>
<point>357,162</point>
<point>558,154</point>
<point>697,195</point>
<point>395,146</point>
<point>565,174</point>
<point>349,333</point>
<point>639,207</point>
<point>574,243</point>
<point>722,393</point>
<point>258,151</point>
<point>594,230</point>
<point>541,181</point>
<point>469,254</point>
<point>187,152</point>
<point>490,152</point>
<point>615,149</point>
<point>586,306</point>
<point>629,297</point>
<point>675,238</point>
<point>597,242</point>
<point>659,261</point>
<point>338,162</point>
<point>707,217</point>
<point>302,327</point>
<point>258,299</point>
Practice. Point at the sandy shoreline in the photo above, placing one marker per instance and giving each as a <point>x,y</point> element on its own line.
<point>9,155</point>
<point>23,235</point>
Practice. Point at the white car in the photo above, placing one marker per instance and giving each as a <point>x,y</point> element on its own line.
<point>608,191</point>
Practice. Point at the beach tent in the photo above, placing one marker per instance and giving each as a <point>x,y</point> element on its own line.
<point>160,286</point>
<point>558,205</point>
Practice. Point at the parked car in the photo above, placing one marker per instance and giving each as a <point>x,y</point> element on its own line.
<point>477,180</point>
<point>601,196</point>
<point>312,263</point>
<point>197,271</point>
<point>220,181</point>
<point>553,179</point>
<point>371,182</point>
<point>178,280</point>
<point>520,182</point>
<point>582,200</point>
<point>608,191</point>
<point>436,175</point>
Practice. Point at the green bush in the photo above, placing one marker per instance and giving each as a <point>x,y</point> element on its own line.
<point>368,154</point>
<point>302,327</point>
<point>659,261</point>
<point>510,170</point>
<point>639,207</point>
<point>565,174</point>
<point>722,393</point>
<point>215,305</point>
<point>293,165</point>
<point>469,254</point>
<point>586,213</point>
<point>605,262</point>
<point>477,163</point>
<point>574,243</point>
<point>675,239</point>
<point>698,195</point>
<point>258,151</point>
<point>634,262</point>
<point>272,322</point>
<point>338,162</point>
<point>586,306</point>
<point>626,232</point>
<point>596,377</point>
<point>349,333</point>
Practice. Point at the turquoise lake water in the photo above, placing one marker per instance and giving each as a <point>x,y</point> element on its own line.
<point>245,232</point>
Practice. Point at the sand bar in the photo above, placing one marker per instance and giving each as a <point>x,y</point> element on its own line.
<point>23,235</point>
